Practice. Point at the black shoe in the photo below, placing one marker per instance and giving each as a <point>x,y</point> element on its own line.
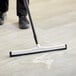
<point>2,16</point>
<point>23,22</point>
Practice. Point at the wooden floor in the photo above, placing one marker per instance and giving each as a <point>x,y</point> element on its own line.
<point>55,23</point>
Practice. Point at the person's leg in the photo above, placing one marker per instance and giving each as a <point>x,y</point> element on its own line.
<point>3,9</point>
<point>3,6</point>
<point>21,9</point>
<point>22,13</point>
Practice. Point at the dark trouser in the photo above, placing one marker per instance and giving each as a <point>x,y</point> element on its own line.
<point>21,10</point>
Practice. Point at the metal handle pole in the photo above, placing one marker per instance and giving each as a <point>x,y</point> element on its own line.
<point>32,25</point>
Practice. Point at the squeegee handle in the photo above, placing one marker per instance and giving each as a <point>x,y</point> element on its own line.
<point>31,21</point>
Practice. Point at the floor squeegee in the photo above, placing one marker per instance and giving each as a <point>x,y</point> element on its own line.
<point>38,49</point>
